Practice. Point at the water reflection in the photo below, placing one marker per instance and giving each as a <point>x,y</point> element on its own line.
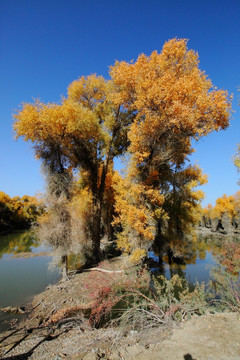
<point>21,278</point>
<point>193,257</point>
<point>15,243</point>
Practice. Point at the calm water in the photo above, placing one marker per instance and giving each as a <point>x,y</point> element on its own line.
<point>199,257</point>
<point>198,271</point>
<point>21,278</point>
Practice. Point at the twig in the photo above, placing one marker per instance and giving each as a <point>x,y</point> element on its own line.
<point>37,304</point>
<point>54,308</point>
<point>154,316</point>
<point>148,299</point>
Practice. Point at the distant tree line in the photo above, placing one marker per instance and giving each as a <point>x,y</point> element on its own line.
<point>19,212</point>
<point>224,216</point>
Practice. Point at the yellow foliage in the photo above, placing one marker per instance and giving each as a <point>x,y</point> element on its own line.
<point>19,211</point>
<point>172,97</point>
<point>133,212</point>
<point>124,244</point>
<point>81,202</point>
<point>224,205</point>
<point>4,198</point>
<point>137,255</point>
<point>207,211</point>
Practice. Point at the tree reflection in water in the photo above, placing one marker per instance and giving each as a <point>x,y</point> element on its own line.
<point>179,253</point>
<point>15,243</point>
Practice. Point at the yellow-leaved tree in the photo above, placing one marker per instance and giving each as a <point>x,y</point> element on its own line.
<point>19,212</point>
<point>151,109</point>
<point>174,102</point>
<point>85,131</point>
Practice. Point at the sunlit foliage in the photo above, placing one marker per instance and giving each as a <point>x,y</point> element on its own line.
<point>151,110</point>
<point>174,102</point>
<point>85,131</point>
<point>225,205</point>
<point>19,212</point>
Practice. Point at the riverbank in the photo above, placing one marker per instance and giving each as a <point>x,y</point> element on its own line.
<point>208,337</point>
<point>58,328</point>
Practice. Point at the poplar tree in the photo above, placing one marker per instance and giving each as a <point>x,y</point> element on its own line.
<point>151,109</point>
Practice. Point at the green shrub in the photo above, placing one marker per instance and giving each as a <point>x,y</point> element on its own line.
<point>224,289</point>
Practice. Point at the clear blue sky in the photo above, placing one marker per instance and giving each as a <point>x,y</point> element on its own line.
<point>45,45</point>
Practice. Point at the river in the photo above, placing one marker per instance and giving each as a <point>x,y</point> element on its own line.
<point>24,271</point>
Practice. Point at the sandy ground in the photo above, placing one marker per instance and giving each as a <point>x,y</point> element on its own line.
<point>208,337</point>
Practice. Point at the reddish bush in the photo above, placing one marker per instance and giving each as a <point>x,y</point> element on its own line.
<point>230,258</point>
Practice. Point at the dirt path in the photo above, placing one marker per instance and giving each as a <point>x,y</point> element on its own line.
<point>208,337</point>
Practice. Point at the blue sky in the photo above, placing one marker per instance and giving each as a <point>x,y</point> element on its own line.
<point>45,45</point>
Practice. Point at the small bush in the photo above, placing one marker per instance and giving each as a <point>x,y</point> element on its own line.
<point>230,258</point>
<point>114,293</point>
<point>225,283</point>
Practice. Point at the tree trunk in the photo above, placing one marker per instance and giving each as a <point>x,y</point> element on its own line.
<point>64,267</point>
<point>96,232</point>
<point>159,240</point>
<point>170,256</point>
<point>98,194</point>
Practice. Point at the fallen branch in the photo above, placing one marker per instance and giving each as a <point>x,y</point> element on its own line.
<point>234,308</point>
<point>105,271</point>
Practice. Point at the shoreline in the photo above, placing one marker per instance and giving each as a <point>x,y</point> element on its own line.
<point>199,336</point>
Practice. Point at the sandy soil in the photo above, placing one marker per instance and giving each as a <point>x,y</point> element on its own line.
<point>208,337</point>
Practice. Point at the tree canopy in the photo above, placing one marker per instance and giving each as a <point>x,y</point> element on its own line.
<point>150,109</point>
<point>19,212</point>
